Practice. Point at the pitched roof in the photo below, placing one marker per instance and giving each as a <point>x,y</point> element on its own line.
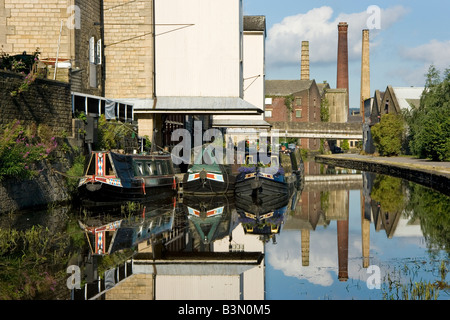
<point>286,87</point>
<point>407,96</point>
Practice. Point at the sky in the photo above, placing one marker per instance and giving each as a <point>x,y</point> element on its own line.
<point>406,37</point>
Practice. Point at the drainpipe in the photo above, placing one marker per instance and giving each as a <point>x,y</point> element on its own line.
<point>154,53</point>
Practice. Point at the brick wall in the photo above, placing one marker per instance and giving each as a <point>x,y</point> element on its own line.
<point>128,48</point>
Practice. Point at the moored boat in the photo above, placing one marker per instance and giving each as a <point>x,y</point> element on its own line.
<point>273,181</point>
<point>114,177</point>
<point>207,176</point>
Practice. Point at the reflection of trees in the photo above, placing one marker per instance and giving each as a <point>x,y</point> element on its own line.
<point>432,208</point>
<point>389,193</point>
<point>396,197</point>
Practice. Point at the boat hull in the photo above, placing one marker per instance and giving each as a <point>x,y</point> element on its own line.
<point>208,183</point>
<point>102,192</point>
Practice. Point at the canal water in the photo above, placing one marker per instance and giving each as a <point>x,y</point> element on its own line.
<point>345,235</point>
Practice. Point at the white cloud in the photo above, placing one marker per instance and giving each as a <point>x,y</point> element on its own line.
<point>435,52</point>
<point>319,28</point>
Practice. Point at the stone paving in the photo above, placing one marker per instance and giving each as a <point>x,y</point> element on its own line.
<point>438,167</point>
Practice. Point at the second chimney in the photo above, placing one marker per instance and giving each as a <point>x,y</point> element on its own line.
<point>342,60</point>
<point>305,61</point>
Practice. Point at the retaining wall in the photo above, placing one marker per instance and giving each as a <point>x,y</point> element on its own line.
<point>435,180</point>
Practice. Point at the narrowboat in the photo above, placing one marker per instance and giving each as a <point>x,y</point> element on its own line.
<point>114,177</point>
<point>208,176</point>
<point>105,239</point>
<point>209,219</point>
<point>274,181</point>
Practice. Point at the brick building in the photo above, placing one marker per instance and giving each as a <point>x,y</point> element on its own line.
<point>294,101</point>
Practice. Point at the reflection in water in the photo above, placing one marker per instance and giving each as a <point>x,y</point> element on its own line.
<point>323,240</point>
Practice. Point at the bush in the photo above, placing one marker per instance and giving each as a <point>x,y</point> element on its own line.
<point>22,148</point>
<point>388,135</point>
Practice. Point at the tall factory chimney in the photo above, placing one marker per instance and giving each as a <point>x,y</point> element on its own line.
<point>342,59</point>
<point>305,61</point>
<point>365,71</point>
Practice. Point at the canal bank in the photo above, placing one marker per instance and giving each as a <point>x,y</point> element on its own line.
<point>435,175</point>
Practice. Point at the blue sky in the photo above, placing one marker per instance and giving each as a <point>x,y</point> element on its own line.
<point>412,35</point>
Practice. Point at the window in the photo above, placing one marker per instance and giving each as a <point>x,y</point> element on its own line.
<point>268,101</point>
<point>139,171</point>
<point>268,113</point>
<point>298,113</point>
<point>298,101</point>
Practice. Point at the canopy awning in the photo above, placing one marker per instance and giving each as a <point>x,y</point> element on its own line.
<point>194,105</point>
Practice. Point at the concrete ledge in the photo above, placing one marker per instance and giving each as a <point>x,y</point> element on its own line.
<point>435,175</point>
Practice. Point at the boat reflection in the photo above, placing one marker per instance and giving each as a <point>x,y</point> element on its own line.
<point>126,233</point>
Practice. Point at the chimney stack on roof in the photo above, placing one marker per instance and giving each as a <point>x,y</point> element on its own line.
<point>305,61</point>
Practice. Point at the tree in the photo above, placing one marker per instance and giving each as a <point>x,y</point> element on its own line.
<point>429,122</point>
<point>388,135</point>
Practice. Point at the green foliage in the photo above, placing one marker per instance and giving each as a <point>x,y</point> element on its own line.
<point>22,148</point>
<point>388,192</point>
<point>429,122</point>
<point>74,174</point>
<point>345,145</point>
<point>26,64</point>
<point>431,208</point>
<point>324,110</point>
<point>111,134</point>
<point>388,135</point>
<point>288,102</point>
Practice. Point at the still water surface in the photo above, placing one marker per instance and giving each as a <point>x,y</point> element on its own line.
<point>345,235</point>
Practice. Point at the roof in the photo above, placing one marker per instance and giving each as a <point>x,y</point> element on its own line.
<point>194,105</point>
<point>254,23</point>
<point>286,87</point>
<point>240,123</point>
<point>322,87</point>
<point>407,96</point>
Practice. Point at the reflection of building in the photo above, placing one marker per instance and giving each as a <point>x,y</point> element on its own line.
<point>231,267</point>
<point>324,198</point>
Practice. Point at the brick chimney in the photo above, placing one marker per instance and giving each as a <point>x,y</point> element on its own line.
<point>342,58</point>
<point>365,71</point>
<point>305,61</point>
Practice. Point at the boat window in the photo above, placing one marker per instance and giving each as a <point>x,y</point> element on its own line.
<point>169,167</point>
<point>161,167</point>
<point>139,169</point>
<point>151,167</point>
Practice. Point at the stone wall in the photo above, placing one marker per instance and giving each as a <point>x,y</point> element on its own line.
<point>45,102</point>
<point>427,178</point>
<point>47,187</point>
<point>135,287</point>
<point>27,25</point>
